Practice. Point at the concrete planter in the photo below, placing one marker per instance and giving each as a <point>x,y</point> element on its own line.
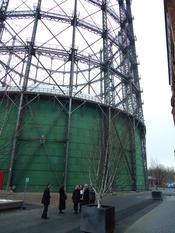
<point>157,195</point>
<point>97,220</point>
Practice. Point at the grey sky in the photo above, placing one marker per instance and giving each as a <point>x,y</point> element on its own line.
<point>151,50</point>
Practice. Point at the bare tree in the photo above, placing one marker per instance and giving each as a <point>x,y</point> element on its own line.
<point>104,161</point>
<point>161,173</point>
<point>158,171</point>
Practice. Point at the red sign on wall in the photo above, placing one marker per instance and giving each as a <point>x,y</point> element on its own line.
<point>1,179</point>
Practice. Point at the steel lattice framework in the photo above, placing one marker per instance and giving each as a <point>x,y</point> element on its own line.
<point>78,48</point>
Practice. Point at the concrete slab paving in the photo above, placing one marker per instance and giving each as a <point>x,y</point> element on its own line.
<point>134,213</point>
<point>159,220</point>
<point>29,220</point>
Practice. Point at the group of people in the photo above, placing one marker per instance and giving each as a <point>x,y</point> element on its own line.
<point>82,195</point>
<point>46,200</point>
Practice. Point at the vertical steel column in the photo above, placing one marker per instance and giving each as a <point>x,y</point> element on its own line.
<point>108,146</point>
<point>137,111</point>
<point>31,45</point>
<point>112,77</point>
<point>76,81</point>
<point>105,66</point>
<point>127,84</point>
<point>19,116</point>
<point>101,80</point>
<point>107,92</point>
<point>89,76</point>
<point>124,55</point>
<point>125,44</point>
<point>132,44</point>
<point>72,58</point>
<point>133,154</point>
<point>3,9</point>
<point>138,103</point>
<point>143,138</point>
<point>64,71</point>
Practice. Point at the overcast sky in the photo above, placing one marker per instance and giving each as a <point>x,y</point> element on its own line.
<point>149,29</point>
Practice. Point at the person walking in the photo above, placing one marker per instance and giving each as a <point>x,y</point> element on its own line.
<point>62,199</point>
<point>46,201</point>
<point>76,198</point>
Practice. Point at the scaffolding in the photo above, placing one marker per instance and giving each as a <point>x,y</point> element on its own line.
<point>81,50</point>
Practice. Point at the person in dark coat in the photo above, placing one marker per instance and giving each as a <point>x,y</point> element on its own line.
<point>91,195</point>
<point>86,195</point>
<point>62,199</point>
<point>81,196</point>
<point>76,198</point>
<point>46,201</point>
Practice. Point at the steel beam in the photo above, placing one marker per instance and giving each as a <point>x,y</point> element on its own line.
<point>19,116</point>
<point>74,25</point>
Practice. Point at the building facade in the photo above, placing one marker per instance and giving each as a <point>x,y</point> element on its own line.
<point>169,6</point>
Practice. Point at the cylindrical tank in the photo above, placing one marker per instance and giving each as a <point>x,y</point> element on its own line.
<point>70,99</point>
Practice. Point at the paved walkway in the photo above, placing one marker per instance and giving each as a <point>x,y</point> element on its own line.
<point>29,220</point>
<point>134,213</point>
<point>159,220</point>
